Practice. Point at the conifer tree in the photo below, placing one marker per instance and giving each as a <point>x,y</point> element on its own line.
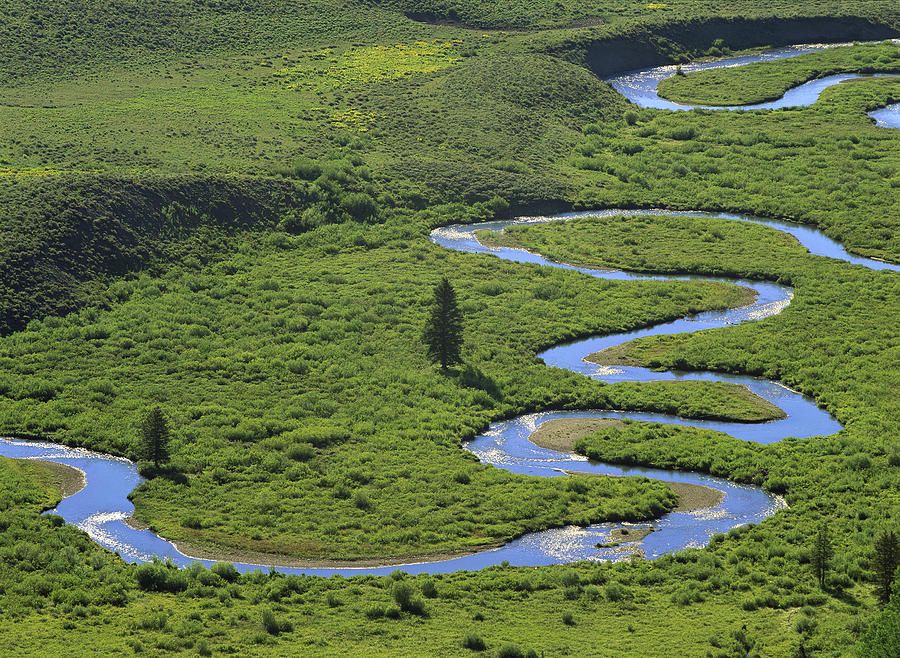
<point>821,554</point>
<point>887,559</point>
<point>155,436</point>
<point>443,334</point>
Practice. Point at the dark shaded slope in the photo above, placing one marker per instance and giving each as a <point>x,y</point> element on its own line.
<point>62,236</point>
<point>644,47</point>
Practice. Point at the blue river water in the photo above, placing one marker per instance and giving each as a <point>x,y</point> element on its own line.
<point>887,117</point>
<point>102,506</point>
<point>642,87</point>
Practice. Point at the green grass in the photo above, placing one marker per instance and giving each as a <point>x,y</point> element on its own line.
<point>542,14</point>
<point>516,603</point>
<point>720,247</point>
<point>791,164</point>
<point>185,197</point>
<point>264,352</point>
<point>651,243</point>
<point>768,81</point>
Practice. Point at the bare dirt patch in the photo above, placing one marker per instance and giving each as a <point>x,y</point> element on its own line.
<point>692,497</point>
<point>562,434</point>
<point>69,479</point>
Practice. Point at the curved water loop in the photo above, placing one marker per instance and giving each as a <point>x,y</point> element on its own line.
<point>642,87</point>
<point>102,506</point>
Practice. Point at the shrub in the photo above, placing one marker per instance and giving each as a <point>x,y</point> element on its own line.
<point>496,205</point>
<point>687,595</point>
<point>160,576</point>
<point>272,625</point>
<point>429,589</point>
<point>319,436</point>
<point>682,133</point>
<point>226,571</point>
<point>805,625</point>
<point>473,642</point>
<point>360,206</point>
<point>154,621</point>
<point>403,597</point>
<point>615,592</point>
<point>192,521</point>
<point>301,452</point>
<point>510,651</point>
<point>40,391</point>
<point>306,169</point>
<point>362,501</point>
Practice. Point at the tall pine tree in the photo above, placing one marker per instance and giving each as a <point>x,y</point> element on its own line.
<point>155,437</point>
<point>822,553</point>
<point>443,334</point>
<point>887,559</point>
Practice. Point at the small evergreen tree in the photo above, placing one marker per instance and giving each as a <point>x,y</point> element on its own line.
<point>821,554</point>
<point>443,334</point>
<point>155,436</point>
<point>887,558</point>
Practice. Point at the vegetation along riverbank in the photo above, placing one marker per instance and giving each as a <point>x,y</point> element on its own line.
<point>223,210</point>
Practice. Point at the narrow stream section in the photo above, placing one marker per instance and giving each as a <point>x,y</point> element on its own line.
<point>642,87</point>
<point>102,506</point>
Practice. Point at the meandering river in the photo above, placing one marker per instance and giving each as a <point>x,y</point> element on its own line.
<point>102,506</point>
<point>642,87</point>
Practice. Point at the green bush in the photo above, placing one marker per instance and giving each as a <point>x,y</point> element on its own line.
<point>158,576</point>
<point>473,642</point>
<point>272,625</point>
<point>226,571</point>
<point>403,597</point>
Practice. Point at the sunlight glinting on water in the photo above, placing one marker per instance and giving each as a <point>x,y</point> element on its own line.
<point>102,506</point>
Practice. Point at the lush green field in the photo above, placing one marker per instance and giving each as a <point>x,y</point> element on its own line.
<point>768,81</point>
<point>790,163</point>
<point>311,413</point>
<point>841,322</point>
<point>738,580</point>
<point>524,14</point>
<point>223,208</point>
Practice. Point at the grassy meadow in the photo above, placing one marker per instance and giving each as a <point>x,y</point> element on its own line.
<point>223,209</point>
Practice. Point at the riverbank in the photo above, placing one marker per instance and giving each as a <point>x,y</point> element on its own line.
<point>263,559</point>
<point>68,479</point>
<point>563,434</point>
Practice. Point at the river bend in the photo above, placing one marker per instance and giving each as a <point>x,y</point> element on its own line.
<point>102,506</point>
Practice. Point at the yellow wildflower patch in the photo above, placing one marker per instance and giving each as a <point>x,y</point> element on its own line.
<point>656,5</point>
<point>362,64</point>
<point>354,120</point>
<point>7,172</point>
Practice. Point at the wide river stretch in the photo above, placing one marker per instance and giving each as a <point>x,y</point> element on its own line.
<point>102,506</point>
